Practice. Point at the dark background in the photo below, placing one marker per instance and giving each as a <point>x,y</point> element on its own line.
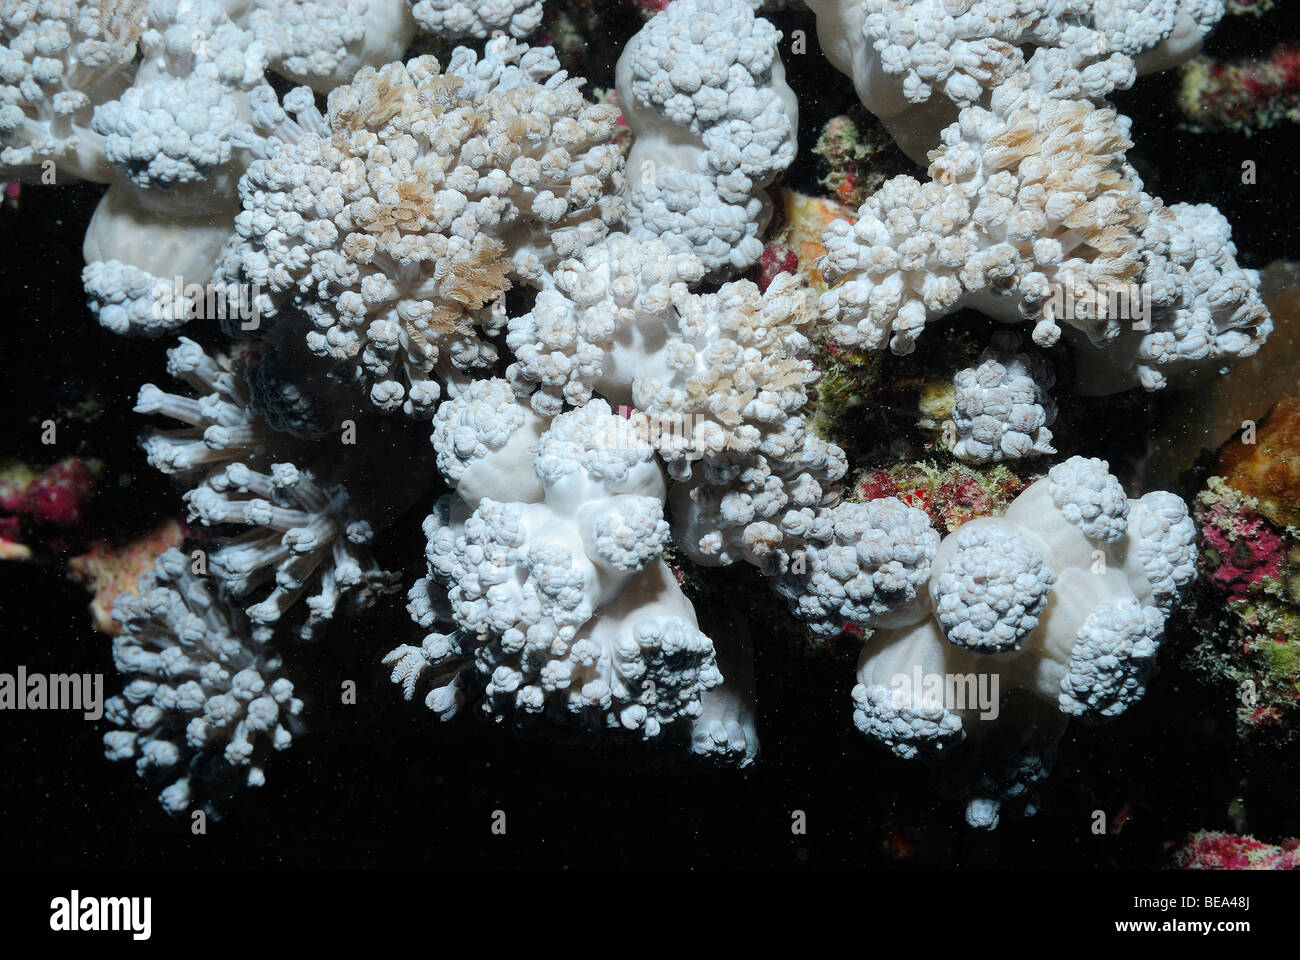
<point>382,783</point>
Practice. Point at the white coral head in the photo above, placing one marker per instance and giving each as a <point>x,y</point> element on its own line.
<point>989,593</point>
<point>1090,497</point>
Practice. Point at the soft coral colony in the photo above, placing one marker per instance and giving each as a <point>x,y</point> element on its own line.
<point>461,250</point>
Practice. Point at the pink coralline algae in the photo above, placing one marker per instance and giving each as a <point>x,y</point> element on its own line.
<point>54,500</point>
<point>777,258</point>
<point>1211,850</point>
<point>1246,608</point>
<point>1240,549</point>
<point>950,496</point>
<point>1245,95</point>
<point>60,495</point>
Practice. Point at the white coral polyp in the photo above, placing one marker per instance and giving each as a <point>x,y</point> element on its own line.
<point>915,62</point>
<point>199,685</point>
<point>178,139</point>
<point>177,131</point>
<point>1113,655</point>
<point>631,535</point>
<point>906,722</point>
<point>1166,545</point>
<point>596,320</point>
<point>992,589</point>
<point>864,564</point>
<point>726,729</point>
<point>703,89</point>
<point>220,426</point>
<point>154,146</point>
<point>757,507</point>
<point>719,384</point>
<point>1089,497</point>
<point>724,403</point>
<point>395,220</point>
<point>325,42</point>
<point>480,420</point>
<point>1002,409</point>
<point>1203,311</point>
<point>1031,213</point>
<point>478,18</point>
<point>486,438</point>
<point>592,450</point>
<point>561,609</point>
<point>732,373</point>
<point>59,59</point>
<point>143,266</point>
<point>299,534</point>
<point>689,211</point>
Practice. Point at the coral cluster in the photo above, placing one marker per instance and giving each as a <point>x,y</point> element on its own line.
<point>323,43</point>
<point>206,698</point>
<point>1001,408</point>
<point>296,530</point>
<point>1060,602</point>
<point>549,344</point>
<point>479,18</point>
<point>718,381</point>
<point>394,219</point>
<point>59,61</point>
<point>1032,212</point>
<point>914,63</point>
